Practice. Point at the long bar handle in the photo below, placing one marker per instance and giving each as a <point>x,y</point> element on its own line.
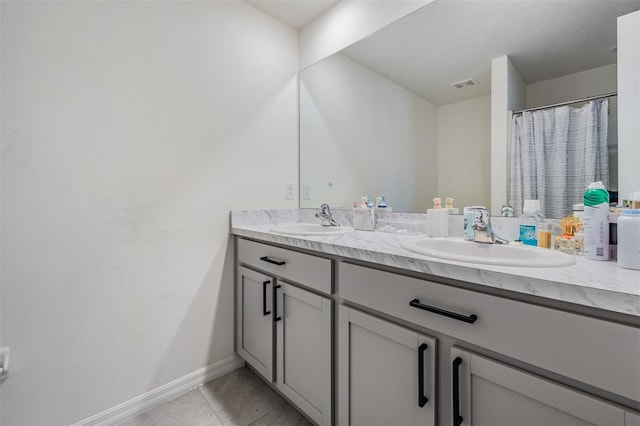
<point>264,297</point>
<point>470,319</point>
<point>422,399</point>
<point>274,261</point>
<point>457,418</point>
<point>275,303</point>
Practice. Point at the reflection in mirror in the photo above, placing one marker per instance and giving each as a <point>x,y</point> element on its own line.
<point>362,134</point>
<point>381,116</point>
<point>556,152</point>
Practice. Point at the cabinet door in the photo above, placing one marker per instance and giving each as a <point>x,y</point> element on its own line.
<point>487,392</point>
<point>303,324</point>
<point>254,324</point>
<point>387,374</point>
<point>631,419</point>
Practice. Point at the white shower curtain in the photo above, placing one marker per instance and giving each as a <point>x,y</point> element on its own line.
<point>556,153</point>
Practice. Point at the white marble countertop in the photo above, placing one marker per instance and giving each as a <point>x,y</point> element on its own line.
<point>595,284</point>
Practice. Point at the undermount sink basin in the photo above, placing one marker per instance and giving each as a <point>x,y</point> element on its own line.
<point>310,229</point>
<point>494,254</point>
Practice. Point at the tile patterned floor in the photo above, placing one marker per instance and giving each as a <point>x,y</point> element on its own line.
<point>238,398</point>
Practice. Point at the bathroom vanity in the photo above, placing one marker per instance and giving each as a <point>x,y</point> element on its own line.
<point>354,329</point>
<point>288,340</point>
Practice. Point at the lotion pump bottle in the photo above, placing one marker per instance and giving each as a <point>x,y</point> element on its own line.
<point>448,203</point>
<point>437,220</point>
<point>449,206</point>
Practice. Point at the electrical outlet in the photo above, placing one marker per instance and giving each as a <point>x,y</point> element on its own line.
<point>289,190</point>
<point>306,191</point>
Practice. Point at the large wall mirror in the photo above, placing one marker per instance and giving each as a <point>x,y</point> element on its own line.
<point>384,116</point>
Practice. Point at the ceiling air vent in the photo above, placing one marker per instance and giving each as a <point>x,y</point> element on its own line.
<point>464,83</point>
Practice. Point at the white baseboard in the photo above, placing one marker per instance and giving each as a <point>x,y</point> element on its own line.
<point>138,405</point>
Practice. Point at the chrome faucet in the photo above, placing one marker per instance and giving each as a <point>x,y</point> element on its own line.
<point>481,226</point>
<point>325,216</point>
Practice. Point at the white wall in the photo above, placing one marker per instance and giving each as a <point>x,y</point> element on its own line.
<point>347,22</point>
<point>629,103</point>
<point>377,137</point>
<point>129,130</point>
<point>593,82</point>
<point>464,152</point>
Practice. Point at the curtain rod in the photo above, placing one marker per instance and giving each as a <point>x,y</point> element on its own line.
<point>590,98</point>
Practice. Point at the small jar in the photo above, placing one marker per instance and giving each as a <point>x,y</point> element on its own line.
<point>629,239</point>
<point>578,211</point>
<point>544,235</point>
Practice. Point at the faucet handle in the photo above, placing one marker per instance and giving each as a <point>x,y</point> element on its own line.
<point>482,230</point>
<point>325,216</point>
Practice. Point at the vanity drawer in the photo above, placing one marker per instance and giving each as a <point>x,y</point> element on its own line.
<point>596,352</point>
<point>311,271</point>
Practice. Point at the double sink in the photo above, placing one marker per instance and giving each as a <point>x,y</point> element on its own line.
<point>455,249</point>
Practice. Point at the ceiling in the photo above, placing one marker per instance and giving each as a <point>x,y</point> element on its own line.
<point>295,13</point>
<point>450,40</point>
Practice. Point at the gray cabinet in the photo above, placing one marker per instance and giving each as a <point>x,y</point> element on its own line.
<point>284,329</point>
<point>593,355</point>
<point>600,353</point>
<point>411,351</point>
<point>387,373</point>
<point>254,323</point>
<point>487,392</point>
<point>631,419</point>
<point>304,350</point>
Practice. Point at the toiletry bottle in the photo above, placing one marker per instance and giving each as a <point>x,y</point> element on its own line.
<point>437,220</point>
<point>468,219</point>
<point>533,217</point>
<point>629,239</point>
<point>614,214</point>
<point>544,235</point>
<point>634,200</point>
<point>578,212</point>
<point>449,205</point>
<point>578,236</point>
<point>596,222</point>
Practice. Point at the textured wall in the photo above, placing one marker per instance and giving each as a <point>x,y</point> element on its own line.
<point>129,130</point>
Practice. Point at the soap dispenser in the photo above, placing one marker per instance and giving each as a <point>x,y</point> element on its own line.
<point>437,220</point>
<point>449,206</point>
<point>364,218</point>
